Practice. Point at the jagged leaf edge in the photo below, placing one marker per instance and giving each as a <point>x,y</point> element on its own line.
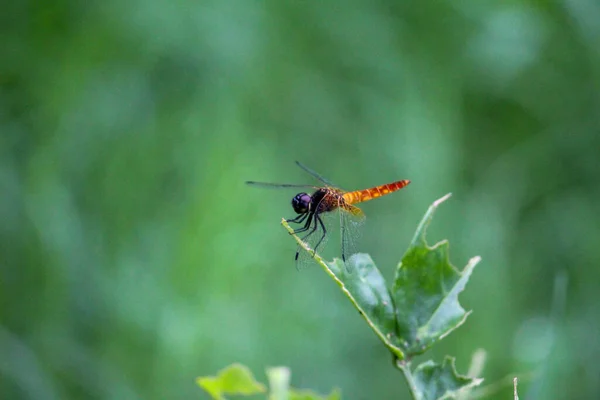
<point>451,363</point>
<point>419,239</point>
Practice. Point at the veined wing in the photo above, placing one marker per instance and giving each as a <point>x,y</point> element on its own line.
<point>345,219</point>
<point>314,174</point>
<point>351,220</point>
<point>279,185</point>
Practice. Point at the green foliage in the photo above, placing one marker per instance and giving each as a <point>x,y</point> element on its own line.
<point>433,381</point>
<point>237,379</point>
<point>426,291</point>
<point>366,289</point>
<point>131,254</point>
<point>420,310</point>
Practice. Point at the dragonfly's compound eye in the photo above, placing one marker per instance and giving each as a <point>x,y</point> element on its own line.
<point>301,203</point>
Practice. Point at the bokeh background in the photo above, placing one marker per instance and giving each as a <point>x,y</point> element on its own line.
<point>134,258</point>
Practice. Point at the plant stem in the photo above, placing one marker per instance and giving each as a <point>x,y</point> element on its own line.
<point>404,366</point>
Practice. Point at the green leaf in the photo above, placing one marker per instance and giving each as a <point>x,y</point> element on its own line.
<point>436,382</point>
<point>234,379</point>
<point>426,291</point>
<point>366,289</point>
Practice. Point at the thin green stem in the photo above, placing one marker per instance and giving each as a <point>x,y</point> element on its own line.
<point>404,366</point>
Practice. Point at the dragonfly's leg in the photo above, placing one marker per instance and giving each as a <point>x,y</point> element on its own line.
<point>314,228</point>
<point>320,221</point>
<point>306,225</point>
<point>296,259</point>
<point>298,219</point>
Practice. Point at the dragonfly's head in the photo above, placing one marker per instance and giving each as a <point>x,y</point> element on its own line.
<point>301,203</point>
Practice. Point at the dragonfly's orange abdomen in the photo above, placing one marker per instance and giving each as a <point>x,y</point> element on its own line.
<point>359,196</point>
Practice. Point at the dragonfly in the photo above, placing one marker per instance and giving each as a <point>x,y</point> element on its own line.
<point>315,210</point>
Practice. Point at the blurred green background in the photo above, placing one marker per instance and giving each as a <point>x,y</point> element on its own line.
<point>134,258</point>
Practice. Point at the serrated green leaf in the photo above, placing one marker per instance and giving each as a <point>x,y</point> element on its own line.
<point>235,379</point>
<point>426,291</point>
<point>437,382</point>
<point>366,289</point>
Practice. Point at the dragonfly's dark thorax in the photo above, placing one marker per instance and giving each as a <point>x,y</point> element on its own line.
<point>324,200</point>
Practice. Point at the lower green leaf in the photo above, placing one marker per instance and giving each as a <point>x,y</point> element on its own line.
<point>436,382</point>
<point>234,379</point>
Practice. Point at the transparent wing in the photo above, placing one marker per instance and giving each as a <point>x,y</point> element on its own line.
<point>346,222</point>
<point>278,185</point>
<point>314,174</point>
<point>351,220</point>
